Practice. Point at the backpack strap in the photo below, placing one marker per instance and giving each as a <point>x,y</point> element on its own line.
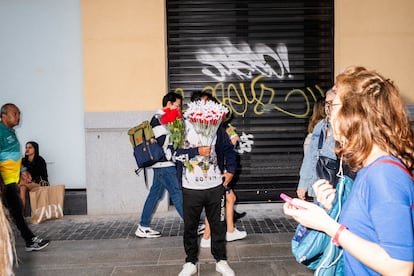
<point>322,134</point>
<point>138,171</point>
<point>320,142</point>
<point>404,168</point>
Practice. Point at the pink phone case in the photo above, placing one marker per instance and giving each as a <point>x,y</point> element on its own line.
<point>287,198</point>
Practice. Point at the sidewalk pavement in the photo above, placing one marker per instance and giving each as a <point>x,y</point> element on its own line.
<point>106,245</point>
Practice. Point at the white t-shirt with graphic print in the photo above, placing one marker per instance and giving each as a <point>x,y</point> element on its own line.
<point>200,173</point>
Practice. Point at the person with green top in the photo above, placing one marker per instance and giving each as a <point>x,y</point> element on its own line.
<point>10,170</point>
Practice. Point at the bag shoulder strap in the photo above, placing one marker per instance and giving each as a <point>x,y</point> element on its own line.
<point>404,168</point>
<point>322,134</point>
<point>137,172</point>
<point>320,143</point>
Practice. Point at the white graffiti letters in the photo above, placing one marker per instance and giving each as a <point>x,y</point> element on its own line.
<point>243,61</point>
<point>245,144</point>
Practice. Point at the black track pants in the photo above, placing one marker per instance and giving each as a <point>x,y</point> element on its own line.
<point>213,200</point>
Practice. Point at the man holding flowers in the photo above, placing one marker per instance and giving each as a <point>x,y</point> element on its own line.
<point>205,165</point>
<point>165,173</point>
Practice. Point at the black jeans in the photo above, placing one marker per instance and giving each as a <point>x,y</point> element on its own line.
<point>213,201</point>
<point>14,204</point>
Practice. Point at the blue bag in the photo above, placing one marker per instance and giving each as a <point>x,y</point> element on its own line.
<point>148,153</point>
<point>314,248</point>
<point>146,149</point>
<point>330,262</point>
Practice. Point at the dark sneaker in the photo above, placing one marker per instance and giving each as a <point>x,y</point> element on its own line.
<point>238,216</point>
<point>36,244</point>
<point>146,232</point>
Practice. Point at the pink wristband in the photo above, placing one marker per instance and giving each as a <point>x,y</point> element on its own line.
<point>337,234</point>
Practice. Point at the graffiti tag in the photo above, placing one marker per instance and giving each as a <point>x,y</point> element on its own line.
<point>244,62</point>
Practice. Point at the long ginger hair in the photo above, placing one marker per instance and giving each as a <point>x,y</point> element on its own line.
<point>372,112</point>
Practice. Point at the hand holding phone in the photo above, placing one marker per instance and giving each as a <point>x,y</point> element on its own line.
<point>288,199</point>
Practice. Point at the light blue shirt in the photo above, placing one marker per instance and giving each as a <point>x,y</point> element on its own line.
<point>307,172</point>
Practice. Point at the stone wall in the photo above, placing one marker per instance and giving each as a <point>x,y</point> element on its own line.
<point>112,185</point>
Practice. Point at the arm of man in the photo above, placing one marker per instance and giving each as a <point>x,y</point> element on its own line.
<point>230,157</point>
<point>160,131</point>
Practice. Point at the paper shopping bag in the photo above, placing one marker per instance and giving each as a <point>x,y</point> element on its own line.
<point>47,203</point>
<point>56,200</point>
<point>38,200</point>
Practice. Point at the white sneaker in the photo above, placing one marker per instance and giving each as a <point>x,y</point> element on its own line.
<point>236,235</point>
<point>200,229</point>
<point>188,269</point>
<point>205,243</point>
<point>146,232</point>
<point>224,268</point>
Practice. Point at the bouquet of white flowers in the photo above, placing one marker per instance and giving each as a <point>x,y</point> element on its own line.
<point>206,118</point>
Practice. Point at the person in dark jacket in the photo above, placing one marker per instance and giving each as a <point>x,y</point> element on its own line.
<point>35,163</point>
<point>36,168</point>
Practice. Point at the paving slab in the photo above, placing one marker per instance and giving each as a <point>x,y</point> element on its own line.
<point>106,245</point>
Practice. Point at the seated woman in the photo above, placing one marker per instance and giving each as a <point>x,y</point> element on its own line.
<point>36,166</point>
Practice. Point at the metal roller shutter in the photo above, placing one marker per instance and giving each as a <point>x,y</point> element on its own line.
<point>268,61</point>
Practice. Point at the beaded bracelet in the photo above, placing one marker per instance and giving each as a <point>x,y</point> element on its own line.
<point>337,234</point>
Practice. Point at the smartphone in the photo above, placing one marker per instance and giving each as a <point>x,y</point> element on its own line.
<point>287,198</point>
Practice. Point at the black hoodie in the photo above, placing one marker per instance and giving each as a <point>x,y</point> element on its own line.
<point>36,168</point>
